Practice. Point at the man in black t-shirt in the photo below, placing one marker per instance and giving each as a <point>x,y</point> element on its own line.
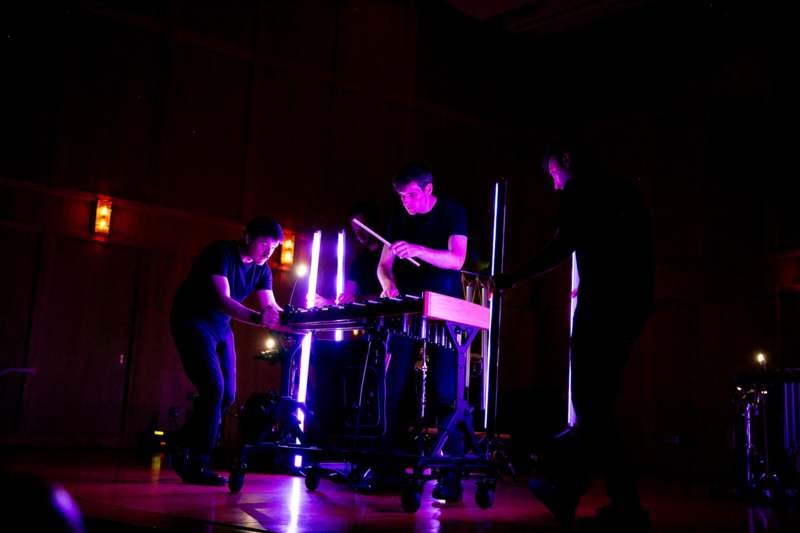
<point>434,231</point>
<point>428,228</point>
<point>225,273</point>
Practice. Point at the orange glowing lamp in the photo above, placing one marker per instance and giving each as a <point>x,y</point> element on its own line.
<point>287,250</point>
<point>102,216</point>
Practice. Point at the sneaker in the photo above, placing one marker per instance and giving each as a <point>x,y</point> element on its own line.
<point>560,503</point>
<point>203,476</point>
<point>448,488</point>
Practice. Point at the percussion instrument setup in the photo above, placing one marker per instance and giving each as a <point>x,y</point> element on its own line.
<point>429,320</point>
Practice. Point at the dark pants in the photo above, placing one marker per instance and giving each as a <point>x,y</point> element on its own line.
<point>600,348</point>
<point>403,399</point>
<point>209,360</point>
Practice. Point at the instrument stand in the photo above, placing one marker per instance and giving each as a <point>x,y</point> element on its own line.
<point>479,462</point>
<point>760,482</point>
<point>461,419</point>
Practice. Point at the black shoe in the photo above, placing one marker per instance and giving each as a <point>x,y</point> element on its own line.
<point>560,503</point>
<point>448,488</point>
<point>618,518</point>
<point>203,476</point>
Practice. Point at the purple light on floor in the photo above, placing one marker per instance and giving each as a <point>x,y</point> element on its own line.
<point>339,274</point>
<point>305,352</point>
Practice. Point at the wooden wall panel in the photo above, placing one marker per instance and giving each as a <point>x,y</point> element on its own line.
<point>232,21</point>
<point>80,343</point>
<point>369,146</point>
<point>201,155</point>
<point>157,381</point>
<point>376,47</point>
<point>301,36</point>
<point>458,152</point>
<point>19,270</point>
<point>106,124</point>
<point>31,91</point>
<point>289,150</point>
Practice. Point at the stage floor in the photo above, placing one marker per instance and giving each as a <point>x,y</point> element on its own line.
<point>122,492</point>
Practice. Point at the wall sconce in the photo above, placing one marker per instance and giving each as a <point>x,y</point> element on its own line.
<point>102,216</point>
<point>287,249</point>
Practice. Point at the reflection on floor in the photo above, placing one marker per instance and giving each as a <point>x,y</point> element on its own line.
<point>121,492</point>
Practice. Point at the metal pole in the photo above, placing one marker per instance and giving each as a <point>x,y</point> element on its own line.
<point>496,305</point>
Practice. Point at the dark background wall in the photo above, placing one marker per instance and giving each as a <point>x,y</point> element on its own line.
<point>194,118</point>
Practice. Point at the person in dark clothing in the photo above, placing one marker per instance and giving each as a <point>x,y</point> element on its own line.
<point>362,278</point>
<point>433,230</point>
<point>225,273</point>
<point>603,220</point>
<point>428,228</point>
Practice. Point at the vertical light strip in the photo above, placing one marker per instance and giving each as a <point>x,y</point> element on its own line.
<point>305,352</point>
<point>573,303</point>
<point>312,274</point>
<point>339,274</point>
<point>487,365</point>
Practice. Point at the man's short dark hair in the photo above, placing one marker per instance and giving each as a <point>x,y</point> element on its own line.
<point>579,154</point>
<point>264,227</point>
<point>412,173</point>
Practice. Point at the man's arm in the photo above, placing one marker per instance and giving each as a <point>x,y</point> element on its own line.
<point>553,255</point>
<point>267,317</point>
<point>266,298</point>
<point>451,259</point>
<point>385,275</point>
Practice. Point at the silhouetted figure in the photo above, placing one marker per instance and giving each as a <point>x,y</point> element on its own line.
<point>362,278</point>
<point>603,220</point>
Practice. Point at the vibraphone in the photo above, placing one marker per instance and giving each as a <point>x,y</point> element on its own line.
<point>423,318</point>
<point>432,318</point>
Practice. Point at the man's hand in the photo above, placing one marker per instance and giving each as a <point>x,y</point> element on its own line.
<point>504,281</point>
<point>269,316</point>
<point>390,292</point>
<point>405,250</point>
<point>321,301</point>
<point>346,298</point>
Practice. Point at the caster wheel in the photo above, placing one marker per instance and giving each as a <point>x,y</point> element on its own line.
<point>312,480</point>
<point>410,499</point>
<point>484,496</point>
<point>236,481</point>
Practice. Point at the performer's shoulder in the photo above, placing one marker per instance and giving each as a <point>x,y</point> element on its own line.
<point>450,204</point>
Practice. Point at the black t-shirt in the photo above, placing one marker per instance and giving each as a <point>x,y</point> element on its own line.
<point>432,230</point>
<point>604,220</point>
<point>197,300</point>
<point>364,272</point>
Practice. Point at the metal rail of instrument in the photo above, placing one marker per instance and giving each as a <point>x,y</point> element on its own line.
<point>431,306</point>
